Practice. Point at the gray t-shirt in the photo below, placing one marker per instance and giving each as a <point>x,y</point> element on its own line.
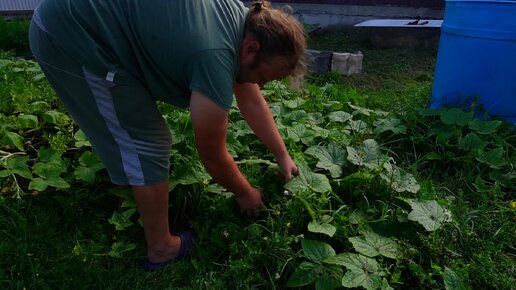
<point>170,46</point>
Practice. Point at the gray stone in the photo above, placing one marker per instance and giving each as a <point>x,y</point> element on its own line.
<point>318,61</point>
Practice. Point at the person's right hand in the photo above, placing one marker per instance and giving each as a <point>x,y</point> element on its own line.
<point>251,202</point>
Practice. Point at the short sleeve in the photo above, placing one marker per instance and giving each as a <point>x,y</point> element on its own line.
<point>212,73</point>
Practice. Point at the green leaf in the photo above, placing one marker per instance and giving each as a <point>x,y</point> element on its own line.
<point>27,121</point>
<point>340,116</point>
<point>385,285</point>
<point>472,142</point>
<point>16,165</point>
<point>493,158</point>
<point>390,124</point>
<point>360,110</point>
<point>358,126</point>
<point>50,154</point>
<point>85,174</point>
<point>428,213</point>
<point>368,154</point>
<point>354,262</point>
<point>295,116</point>
<point>316,250</point>
<point>399,180</point>
<point>354,279</point>
<point>305,274</point>
<point>122,220</point>
<point>240,128</point>
<point>295,103</point>
<point>308,180</point>
<point>81,139</point>
<point>329,279</point>
<point>331,158</point>
<point>13,139</point>
<point>91,160</point>
<point>301,133</point>
<point>323,228</point>
<point>485,127</point>
<point>57,182</point>
<point>118,248</point>
<point>452,281</point>
<point>372,245</point>
<point>38,184</point>
<point>48,170</point>
<point>362,271</point>
<point>56,118</point>
<point>456,116</point>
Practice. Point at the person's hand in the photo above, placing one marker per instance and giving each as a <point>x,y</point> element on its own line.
<point>288,167</point>
<point>251,202</point>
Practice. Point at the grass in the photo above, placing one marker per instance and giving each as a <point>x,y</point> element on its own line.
<point>394,79</point>
<point>61,239</point>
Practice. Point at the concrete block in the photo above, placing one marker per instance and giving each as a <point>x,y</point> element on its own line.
<point>347,63</point>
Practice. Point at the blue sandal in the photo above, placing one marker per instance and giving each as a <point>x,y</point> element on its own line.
<point>187,238</point>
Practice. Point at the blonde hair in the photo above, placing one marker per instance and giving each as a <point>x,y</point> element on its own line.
<point>278,33</point>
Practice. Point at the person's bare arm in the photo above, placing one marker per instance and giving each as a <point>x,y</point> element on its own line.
<point>210,127</point>
<point>257,114</point>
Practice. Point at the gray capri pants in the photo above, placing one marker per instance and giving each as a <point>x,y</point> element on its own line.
<point>121,121</point>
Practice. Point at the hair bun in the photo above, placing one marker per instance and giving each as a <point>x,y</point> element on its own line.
<point>257,6</point>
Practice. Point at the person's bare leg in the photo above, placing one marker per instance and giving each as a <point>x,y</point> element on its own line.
<point>152,202</point>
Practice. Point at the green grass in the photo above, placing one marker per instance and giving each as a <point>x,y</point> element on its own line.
<point>394,79</point>
<point>62,238</point>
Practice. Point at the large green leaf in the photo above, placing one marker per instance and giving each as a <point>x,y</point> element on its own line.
<point>57,182</point>
<point>307,180</point>
<point>389,124</point>
<point>49,154</point>
<point>56,118</point>
<point>493,158</point>
<point>48,170</point>
<point>122,220</point>
<point>241,128</point>
<point>13,139</point>
<point>16,165</point>
<point>360,110</point>
<point>82,140</point>
<point>456,116</point>
<point>305,274</point>
<point>331,158</point>
<point>38,184</point>
<point>329,279</point>
<point>301,133</point>
<point>485,127</point>
<point>452,281</point>
<point>295,116</point>
<point>368,154</point>
<point>472,142</point>
<point>362,271</point>
<point>27,121</point>
<point>295,103</point>
<point>372,245</point>
<point>354,262</point>
<point>322,228</point>
<point>340,116</point>
<point>428,213</point>
<point>358,126</point>
<point>118,248</point>
<point>355,278</point>
<point>399,180</point>
<point>317,251</point>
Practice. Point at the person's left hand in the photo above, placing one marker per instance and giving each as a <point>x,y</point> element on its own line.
<point>288,167</point>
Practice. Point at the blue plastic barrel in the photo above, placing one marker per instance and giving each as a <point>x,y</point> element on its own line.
<point>476,61</point>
